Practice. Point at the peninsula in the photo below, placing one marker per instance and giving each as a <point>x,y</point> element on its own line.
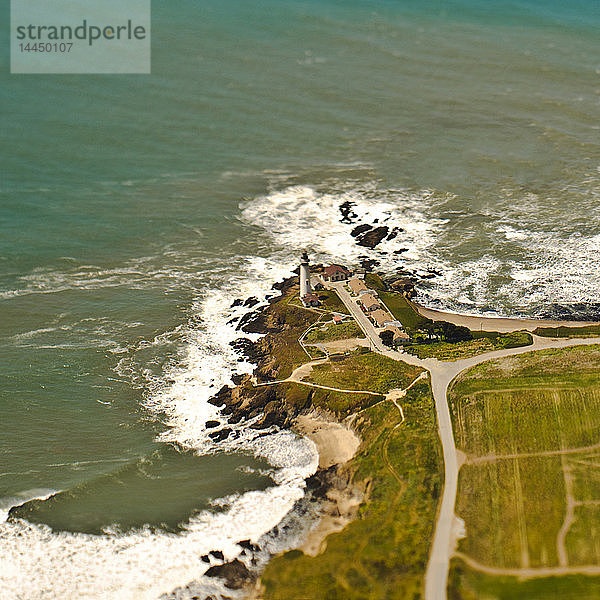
<point>387,390</point>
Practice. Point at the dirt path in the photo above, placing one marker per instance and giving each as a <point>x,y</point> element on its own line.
<point>304,370</point>
<point>531,572</point>
<point>478,460</point>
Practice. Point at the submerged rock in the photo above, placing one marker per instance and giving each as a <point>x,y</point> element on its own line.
<point>348,215</point>
<point>235,574</point>
<point>221,434</point>
<point>371,238</point>
<point>360,229</point>
<point>250,302</point>
<point>248,545</point>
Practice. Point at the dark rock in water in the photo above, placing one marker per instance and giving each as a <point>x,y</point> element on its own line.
<point>251,323</point>
<point>358,230</point>
<point>235,574</point>
<point>250,302</point>
<point>401,251</point>
<point>368,263</point>
<point>204,558</point>
<point>394,233</point>
<point>348,215</point>
<point>237,378</point>
<point>217,554</point>
<point>221,434</point>
<point>248,349</point>
<point>236,302</point>
<point>221,396</point>
<point>248,545</point>
<point>371,238</point>
<point>285,284</point>
<point>211,424</point>
<point>577,311</point>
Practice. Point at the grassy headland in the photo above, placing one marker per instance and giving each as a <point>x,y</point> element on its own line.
<point>368,371</point>
<point>383,553</point>
<point>330,332</point>
<point>483,341</point>
<point>584,331</point>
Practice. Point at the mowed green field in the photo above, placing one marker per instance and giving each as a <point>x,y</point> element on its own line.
<point>529,491</point>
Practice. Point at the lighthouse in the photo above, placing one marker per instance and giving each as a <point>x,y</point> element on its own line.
<point>305,288</point>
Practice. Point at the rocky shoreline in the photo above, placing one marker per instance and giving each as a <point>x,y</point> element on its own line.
<point>330,493</point>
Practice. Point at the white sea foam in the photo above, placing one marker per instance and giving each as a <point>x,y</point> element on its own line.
<point>8,502</point>
<point>301,217</point>
<point>522,252</point>
<point>39,563</point>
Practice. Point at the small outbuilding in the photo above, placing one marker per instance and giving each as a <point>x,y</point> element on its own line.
<point>310,300</point>
<point>335,273</point>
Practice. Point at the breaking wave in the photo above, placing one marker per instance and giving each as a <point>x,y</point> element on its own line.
<point>41,563</point>
<point>518,255</point>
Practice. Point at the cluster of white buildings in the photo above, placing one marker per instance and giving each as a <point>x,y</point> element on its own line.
<point>367,298</point>
<point>375,310</point>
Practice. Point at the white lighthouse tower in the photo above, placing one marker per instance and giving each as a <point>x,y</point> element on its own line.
<point>304,276</point>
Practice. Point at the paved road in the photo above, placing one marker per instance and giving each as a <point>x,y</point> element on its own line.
<point>359,316</point>
<point>442,373</point>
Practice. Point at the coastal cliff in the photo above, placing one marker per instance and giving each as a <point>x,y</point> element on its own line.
<point>360,489</point>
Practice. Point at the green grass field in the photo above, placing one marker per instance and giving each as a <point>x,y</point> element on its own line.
<point>403,310</point>
<point>329,332</point>
<point>529,493</point>
<point>479,345</point>
<point>383,553</point>
<point>586,331</point>
<point>302,397</point>
<point>330,301</point>
<point>283,345</point>
<point>467,584</point>
<point>370,371</point>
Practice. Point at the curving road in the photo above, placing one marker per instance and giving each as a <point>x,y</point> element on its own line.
<point>442,373</point>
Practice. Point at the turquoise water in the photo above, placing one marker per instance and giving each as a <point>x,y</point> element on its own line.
<point>135,209</point>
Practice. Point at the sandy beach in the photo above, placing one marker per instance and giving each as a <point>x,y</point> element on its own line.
<point>336,444</point>
<point>501,324</point>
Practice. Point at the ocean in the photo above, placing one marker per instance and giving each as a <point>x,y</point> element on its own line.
<point>134,211</point>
